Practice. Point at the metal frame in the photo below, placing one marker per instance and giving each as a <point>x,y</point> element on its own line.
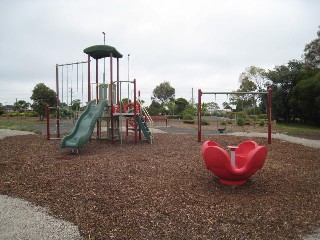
<point>269,108</point>
<point>58,93</point>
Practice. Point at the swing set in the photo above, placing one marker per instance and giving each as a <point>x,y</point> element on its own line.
<point>269,108</point>
<point>64,85</point>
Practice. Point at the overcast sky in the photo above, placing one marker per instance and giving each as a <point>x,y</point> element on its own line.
<point>192,44</point>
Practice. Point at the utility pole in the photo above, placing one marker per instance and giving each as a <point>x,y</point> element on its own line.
<point>192,96</point>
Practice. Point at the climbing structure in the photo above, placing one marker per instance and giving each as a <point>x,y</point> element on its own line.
<point>108,105</point>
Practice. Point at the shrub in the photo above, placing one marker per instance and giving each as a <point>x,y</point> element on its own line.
<point>240,121</point>
<point>247,121</point>
<point>189,118</point>
<point>261,123</point>
<point>223,123</point>
<point>204,122</point>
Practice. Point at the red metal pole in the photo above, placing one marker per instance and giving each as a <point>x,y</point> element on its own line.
<point>58,101</point>
<point>199,114</point>
<point>269,113</point>
<point>58,121</point>
<point>111,101</point>
<point>89,84</point>
<point>48,121</point>
<point>135,111</point>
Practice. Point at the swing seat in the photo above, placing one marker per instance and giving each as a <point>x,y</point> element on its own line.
<point>250,155</point>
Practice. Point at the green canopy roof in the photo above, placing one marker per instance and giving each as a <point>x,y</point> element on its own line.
<point>101,51</point>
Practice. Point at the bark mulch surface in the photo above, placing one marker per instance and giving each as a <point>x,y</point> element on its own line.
<point>163,191</point>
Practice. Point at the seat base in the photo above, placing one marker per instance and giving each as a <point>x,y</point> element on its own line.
<point>228,182</point>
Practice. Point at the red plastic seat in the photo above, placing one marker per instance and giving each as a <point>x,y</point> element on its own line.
<point>217,160</point>
<point>242,151</point>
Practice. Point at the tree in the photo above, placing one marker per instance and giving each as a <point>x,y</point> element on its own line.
<point>226,105</point>
<point>283,79</point>
<point>2,110</point>
<point>181,104</point>
<point>305,100</point>
<point>212,107</point>
<point>189,112</point>
<point>171,106</point>
<point>75,105</point>
<point>254,76</point>
<point>155,109</point>
<point>41,96</point>
<point>163,93</point>
<point>312,53</point>
<point>21,105</point>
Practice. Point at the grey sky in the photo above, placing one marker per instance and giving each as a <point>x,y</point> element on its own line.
<point>192,44</point>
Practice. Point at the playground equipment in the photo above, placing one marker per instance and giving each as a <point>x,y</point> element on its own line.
<point>85,125</point>
<point>269,108</point>
<point>235,169</point>
<point>107,105</point>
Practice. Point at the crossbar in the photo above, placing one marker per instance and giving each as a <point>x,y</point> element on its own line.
<point>237,93</point>
<point>68,64</point>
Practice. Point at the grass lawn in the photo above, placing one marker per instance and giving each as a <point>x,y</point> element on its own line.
<point>18,124</point>
<point>299,130</point>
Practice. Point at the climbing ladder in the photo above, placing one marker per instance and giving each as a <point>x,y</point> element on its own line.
<point>144,128</point>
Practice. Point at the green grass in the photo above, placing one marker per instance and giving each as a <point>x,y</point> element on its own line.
<point>21,126</point>
<point>300,130</point>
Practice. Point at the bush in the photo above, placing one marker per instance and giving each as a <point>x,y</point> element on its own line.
<point>204,122</point>
<point>247,121</point>
<point>240,121</point>
<point>263,116</point>
<point>223,123</point>
<point>261,123</point>
<point>189,118</point>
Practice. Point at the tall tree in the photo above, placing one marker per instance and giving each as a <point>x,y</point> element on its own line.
<point>42,95</point>
<point>2,110</point>
<point>283,79</point>
<point>75,104</point>
<point>254,75</point>
<point>305,100</point>
<point>163,93</point>
<point>155,109</point>
<point>181,104</point>
<point>312,52</point>
<point>244,101</point>
<point>171,106</point>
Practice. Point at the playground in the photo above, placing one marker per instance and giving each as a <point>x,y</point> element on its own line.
<point>112,175</point>
<point>162,190</point>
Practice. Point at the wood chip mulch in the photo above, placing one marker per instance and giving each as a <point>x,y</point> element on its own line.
<point>163,191</point>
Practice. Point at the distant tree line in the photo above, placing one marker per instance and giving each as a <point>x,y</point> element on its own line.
<point>295,85</point>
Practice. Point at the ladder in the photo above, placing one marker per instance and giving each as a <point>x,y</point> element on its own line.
<point>144,124</point>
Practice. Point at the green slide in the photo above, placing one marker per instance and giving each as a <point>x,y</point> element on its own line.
<point>83,130</point>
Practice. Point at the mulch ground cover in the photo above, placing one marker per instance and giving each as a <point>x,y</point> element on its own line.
<point>163,191</point>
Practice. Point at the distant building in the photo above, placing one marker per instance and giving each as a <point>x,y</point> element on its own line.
<point>9,108</point>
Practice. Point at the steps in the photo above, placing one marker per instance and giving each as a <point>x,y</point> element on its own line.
<point>143,126</point>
